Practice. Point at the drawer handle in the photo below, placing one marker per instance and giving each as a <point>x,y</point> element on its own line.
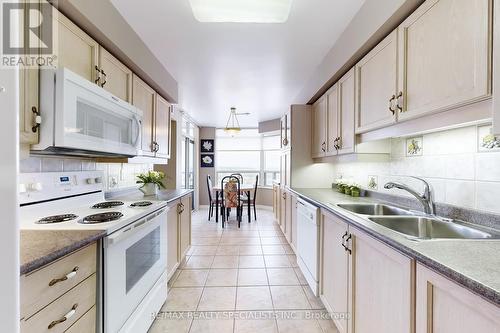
<point>68,276</point>
<point>67,316</point>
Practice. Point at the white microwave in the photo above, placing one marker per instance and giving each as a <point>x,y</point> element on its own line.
<point>82,119</point>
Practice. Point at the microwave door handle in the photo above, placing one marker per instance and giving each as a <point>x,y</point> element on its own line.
<point>138,131</point>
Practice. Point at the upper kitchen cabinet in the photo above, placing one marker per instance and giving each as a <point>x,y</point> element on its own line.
<point>376,76</point>
<point>319,133</point>
<point>115,77</point>
<point>444,56</point>
<point>144,98</point>
<point>346,114</point>
<point>332,120</point>
<point>76,50</point>
<point>162,127</point>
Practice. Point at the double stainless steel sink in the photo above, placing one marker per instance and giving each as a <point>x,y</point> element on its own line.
<point>416,225</point>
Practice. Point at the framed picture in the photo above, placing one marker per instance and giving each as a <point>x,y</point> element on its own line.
<point>207,160</point>
<point>207,146</point>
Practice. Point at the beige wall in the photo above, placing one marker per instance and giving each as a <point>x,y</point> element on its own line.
<point>206,133</point>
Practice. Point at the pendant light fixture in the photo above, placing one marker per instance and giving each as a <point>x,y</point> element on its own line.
<point>233,125</point>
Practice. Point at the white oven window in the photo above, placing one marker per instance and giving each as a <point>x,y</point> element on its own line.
<point>141,256</point>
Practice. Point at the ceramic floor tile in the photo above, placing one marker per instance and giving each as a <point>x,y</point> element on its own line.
<point>166,323</point>
<point>191,278</point>
<point>251,262</point>
<point>205,241</point>
<point>300,276</point>
<point>246,250</point>
<point>212,326</point>
<point>314,301</point>
<point>293,260</point>
<point>218,299</point>
<point>271,240</point>
<point>222,278</point>
<point>277,261</point>
<point>254,298</point>
<point>225,262</point>
<point>252,277</point>
<point>196,262</point>
<point>289,297</point>
<point>273,249</point>
<point>204,250</point>
<point>228,250</point>
<point>255,326</point>
<point>298,324</point>
<point>182,299</point>
<point>282,277</point>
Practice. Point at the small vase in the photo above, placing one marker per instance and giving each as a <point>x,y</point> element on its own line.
<point>149,189</point>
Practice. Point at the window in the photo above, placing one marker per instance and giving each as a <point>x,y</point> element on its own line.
<point>248,153</point>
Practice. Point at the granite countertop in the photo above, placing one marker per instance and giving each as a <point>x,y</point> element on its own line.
<point>41,247</point>
<point>473,264</point>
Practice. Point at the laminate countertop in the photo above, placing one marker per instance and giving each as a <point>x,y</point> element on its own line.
<point>163,195</point>
<point>41,247</point>
<point>473,264</point>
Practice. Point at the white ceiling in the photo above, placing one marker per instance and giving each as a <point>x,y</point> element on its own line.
<point>258,68</point>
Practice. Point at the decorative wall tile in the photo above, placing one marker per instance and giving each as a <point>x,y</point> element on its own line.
<point>72,164</point>
<point>52,164</point>
<point>414,146</point>
<point>486,140</point>
<point>30,164</point>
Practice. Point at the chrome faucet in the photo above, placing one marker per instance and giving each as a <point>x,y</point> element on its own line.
<point>425,199</point>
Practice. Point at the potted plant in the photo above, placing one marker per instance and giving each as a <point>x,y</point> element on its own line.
<point>151,181</point>
<point>355,190</point>
<point>340,185</point>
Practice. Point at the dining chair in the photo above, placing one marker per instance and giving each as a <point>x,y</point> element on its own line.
<point>231,189</point>
<point>253,198</point>
<point>211,199</point>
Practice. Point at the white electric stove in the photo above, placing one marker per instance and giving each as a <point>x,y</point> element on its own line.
<point>133,270</point>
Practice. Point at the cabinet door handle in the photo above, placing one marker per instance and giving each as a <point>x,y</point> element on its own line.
<point>105,77</point>
<point>346,246</point>
<point>98,76</point>
<point>391,105</point>
<point>398,101</point>
<point>68,276</point>
<point>323,146</point>
<point>67,316</point>
<point>38,119</point>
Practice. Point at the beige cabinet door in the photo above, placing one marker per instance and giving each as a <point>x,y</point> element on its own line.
<point>117,78</point>
<point>162,127</point>
<point>382,281</point>
<point>184,226</point>
<point>332,116</point>
<point>444,56</point>
<point>294,221</point>
<point>334,261</point>
<point>144,98</point>
<point>285,169</point>
<point>275,202</point>
<point>75,50</point>
<point>346,113</point>
<point>288,217</point>
<point>172,239</point>
<point>445,307</point>
<point>376,77</point>
<point>319,128</point>
<point>283,211</point>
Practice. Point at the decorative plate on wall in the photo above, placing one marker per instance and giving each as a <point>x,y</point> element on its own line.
<point>207,145</point>
<point>207,160</point>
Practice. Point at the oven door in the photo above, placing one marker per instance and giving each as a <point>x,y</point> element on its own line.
<point>134,259</point>
<point>87,117</point>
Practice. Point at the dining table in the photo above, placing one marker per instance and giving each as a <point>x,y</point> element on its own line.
<point>244,189</point>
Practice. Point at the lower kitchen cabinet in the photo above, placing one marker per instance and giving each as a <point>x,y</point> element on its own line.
<point>334,272</point>
<point>445,307</point>
<point>276,201</point>
<point>288,217</point>
<point>184,226</point>
<point>65,288</point>
<point>293,240</point>
<point>363,277</point>
<point>382,286</point>
<point>172,241</point>
<point>283,211</point>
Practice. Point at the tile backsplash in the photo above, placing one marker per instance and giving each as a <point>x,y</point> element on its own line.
<point>116,175</point>
<point>460,172</point>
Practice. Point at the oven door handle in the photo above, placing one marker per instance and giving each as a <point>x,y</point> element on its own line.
<point>133,228</point>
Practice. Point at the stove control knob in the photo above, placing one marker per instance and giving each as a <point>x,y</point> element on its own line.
<point>98,180</point>
<point>90,180</point>
<point>35,187</point>
<point>22,188</point>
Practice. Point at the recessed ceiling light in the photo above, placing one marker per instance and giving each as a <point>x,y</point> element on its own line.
<point>241,11</point>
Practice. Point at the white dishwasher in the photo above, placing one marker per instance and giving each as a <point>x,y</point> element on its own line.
<point>308,243</point>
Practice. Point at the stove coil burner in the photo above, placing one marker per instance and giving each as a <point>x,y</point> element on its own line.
<point>107,204</point>
<point>141,204</point>
<point>101,218</point>
<point>57,219</point>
